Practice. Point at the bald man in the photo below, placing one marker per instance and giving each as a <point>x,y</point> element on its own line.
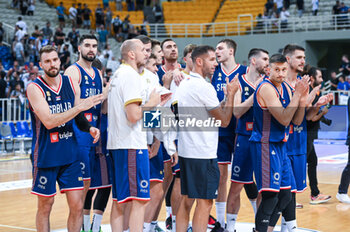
<point>126,140</point>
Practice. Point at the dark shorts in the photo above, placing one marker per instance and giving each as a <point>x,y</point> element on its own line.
<point>61,19</point>
<point>199,178</point>
<point>226,148</point>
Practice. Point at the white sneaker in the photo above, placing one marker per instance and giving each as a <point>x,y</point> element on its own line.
<point>343,197</point>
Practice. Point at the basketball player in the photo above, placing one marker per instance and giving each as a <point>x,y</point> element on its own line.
<point>242,164</point>
<point>127,141</point>
<point>90,81</point>
<point>197,148</point>
<point>225,54</point>
<point>157,51</point>
<point>54,102</point>
<point>273,110</point>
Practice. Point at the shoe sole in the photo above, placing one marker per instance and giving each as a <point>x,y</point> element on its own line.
<point>320,201</point>
<point>346,202</point>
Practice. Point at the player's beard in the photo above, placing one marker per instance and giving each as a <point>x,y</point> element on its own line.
<point>261,70</point>
<point>89,59</point>
<point>52,73</point>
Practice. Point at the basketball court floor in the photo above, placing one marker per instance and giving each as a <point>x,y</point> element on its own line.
<point>18,206</point>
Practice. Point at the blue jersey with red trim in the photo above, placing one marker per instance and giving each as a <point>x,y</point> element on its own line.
<point>245,122</point>
<point>90,85</point>
<point>266,128</point>
<point>297,134</point>
<point>57,146</point>
<point>161,71</point>
<point>219,83</point>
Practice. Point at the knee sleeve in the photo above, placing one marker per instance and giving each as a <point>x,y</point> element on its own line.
<point>289,212</point>
<point>101,198</point>
<point>266,209</point>
<point>88,199</point>
<point>284,200</point>
<point>251,190</point>
<point>168,194</point>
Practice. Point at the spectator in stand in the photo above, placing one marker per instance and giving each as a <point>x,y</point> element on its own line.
<point>343,20</point>
<point>86,17</point>
<point>112,64</point>
<point>19,52</point>
<point>2,32</point>
<point>107,50</point>
<point>131,5</point>
<point>139,4</point>
<point>36,31</point>
<point>3,85</point>
<point>157,10</point>
<point>73,14</point>
<point>102,37</point>
<point>74,38</point>
<point>99,16</point>
<point>108,19</point>
<point>125,28</point>
<point>60,13</point>
<point>345,65</point>
<point>336,8</point>
<point>279,6</point>
<point>17,92</point>
<point>59,36</point>
<point>117,23</point>
<point>30,77</point>
<point>15,68</point>
<point>65,57</point>
<point>79,16</point>
<point>31,7</point>
<point>38,44</point>
<point>105,3</point>
<point>119,5</point>
<point>269,5</point>
<point>334,81</point>
<point>314,7</point>
<point>19,33</point>
<point>70,47</point>
<point>47,31</point>
<point>22,24</point>
<point>16,79</point>
<point>343,85</point>
<point>300,7</point>
<point>23,5</point>
<point>286,4</point>
<point>31,50</point>
<point>284,17</point>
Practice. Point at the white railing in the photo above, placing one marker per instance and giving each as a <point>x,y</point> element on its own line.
<point>9,34</point>
<point>13,109</point>
<point>248,26</point>
<point>340,96</point>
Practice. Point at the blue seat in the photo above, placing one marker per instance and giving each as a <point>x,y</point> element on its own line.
<point>22,129</point>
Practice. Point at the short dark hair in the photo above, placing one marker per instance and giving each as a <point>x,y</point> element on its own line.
<point>200,50</point>
<point>312,72</point>
<point>278,58</point>
<point>256,51</point>
<point>144,39</point>
<point>152,56</point>
<point>155,43</point>
<point>47,49</point>
<point>230,44</point>
<point>87,36</point>
<point>189,48</point>
<point>291,48</point>
<point>164,41</point>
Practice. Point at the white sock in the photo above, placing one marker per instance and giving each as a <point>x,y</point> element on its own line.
<point>253,202</point>
<point>126,230</point>
<point>231,222</point>
<point>173,222</point>
<point>168,211</point>
<point>292,226</point>
<point>96,222</point>
<point>283,225</point>
<point>153,225</point>
<point>146,227</point>
<point>220,213</point>
<point>87,224</point>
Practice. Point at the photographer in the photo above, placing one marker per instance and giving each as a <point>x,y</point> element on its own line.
<point>313,125</point>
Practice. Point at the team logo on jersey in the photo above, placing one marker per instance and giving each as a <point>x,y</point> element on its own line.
<point>86,79</point>
<point>291,129</point>
<point>246,89</point>
<point>219,77</point>
<point>88,116</point>
<point>151,119</point>
<point>54,137</point>
<point>273,152</point>
<point>58,98</point>
<point>249,126</point>
<point>93,83</point>
<point>48,94</point>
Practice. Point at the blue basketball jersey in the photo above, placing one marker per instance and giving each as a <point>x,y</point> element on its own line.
<point>57,146</point>
<point>90,85</point>
<point>161,71</point>
<point>297,134</point>
<point>219,82</point>
<point>245,122</point>
<point>266,128</point>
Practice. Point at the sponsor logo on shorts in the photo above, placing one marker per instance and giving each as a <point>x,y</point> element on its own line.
<point>276,176</point>
<point>144,185</point>
<point>42,181</point>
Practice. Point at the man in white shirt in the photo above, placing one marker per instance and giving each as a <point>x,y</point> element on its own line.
<point>197,146</point>
<point>73,14</point>
<point>126,139</point>
<point>22,24</point>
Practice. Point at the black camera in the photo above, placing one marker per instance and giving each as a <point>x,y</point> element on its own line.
<point>326,121</point>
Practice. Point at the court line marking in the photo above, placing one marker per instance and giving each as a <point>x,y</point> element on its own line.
<point>17,227</point>
<point>13,185</point>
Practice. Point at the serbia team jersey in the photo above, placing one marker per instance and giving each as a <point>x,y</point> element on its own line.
<point>57,146</point>
<point>297,134</point>
<point>245,122</point>
<point>90,85</point>
<point>219,82</point>
<point>161,71</point>
<point>266,128</point>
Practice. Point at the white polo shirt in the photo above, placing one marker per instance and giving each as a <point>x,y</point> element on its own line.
<point>126,87</point>
<point>196,97</point>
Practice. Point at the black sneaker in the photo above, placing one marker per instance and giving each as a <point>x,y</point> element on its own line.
<point>211,222</point>
<point>217,227</point>
<point>169,223</point>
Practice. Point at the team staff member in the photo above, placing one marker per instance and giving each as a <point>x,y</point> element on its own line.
<point>54,102</point>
